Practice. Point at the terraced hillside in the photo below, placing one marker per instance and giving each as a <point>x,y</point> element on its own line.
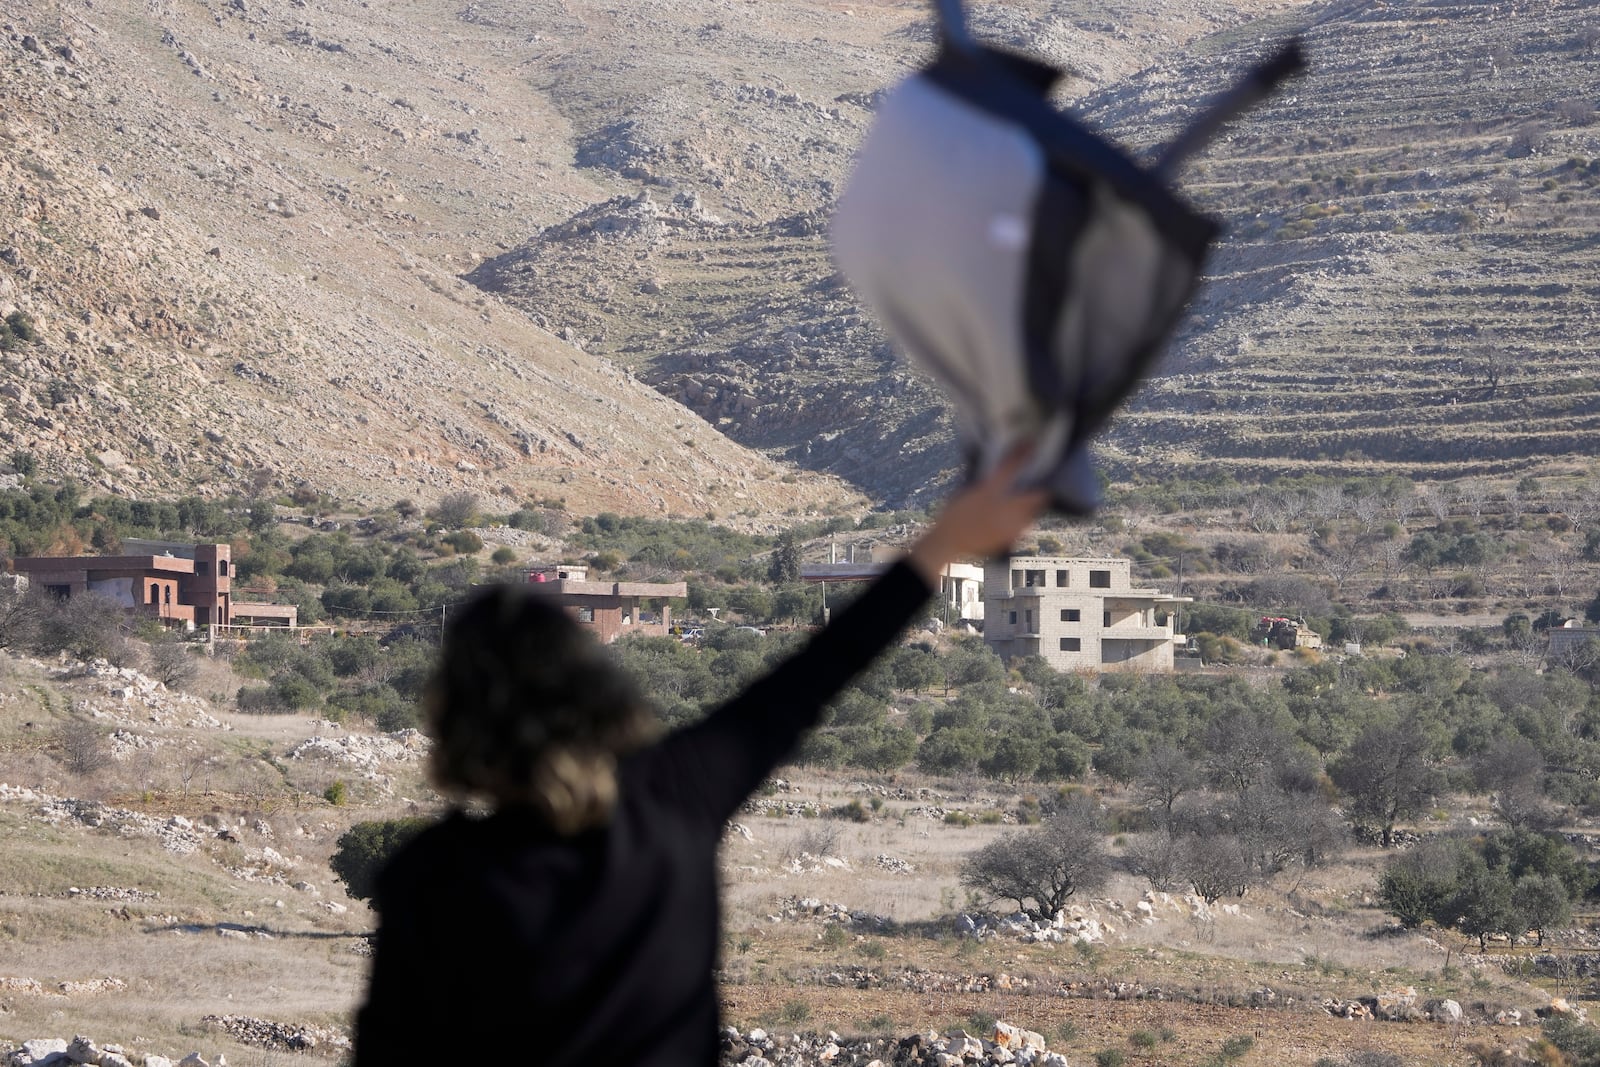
<point>1405,287</point>
<point>712,281</point>
<point>1413,275</point>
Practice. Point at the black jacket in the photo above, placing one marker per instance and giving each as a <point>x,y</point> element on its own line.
<point>598,949</point>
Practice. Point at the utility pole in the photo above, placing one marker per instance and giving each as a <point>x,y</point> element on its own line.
<point>1177,609</point>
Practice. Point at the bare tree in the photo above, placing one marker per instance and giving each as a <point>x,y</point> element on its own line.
<point>190,765</point>
<point>1557,561</point>
<point>1328,501</point>
<point>1435,497</point>
<point>1341,559</point>
<point>1391,554</point>
<point>1163,774</point>
<point>172,662</point>
<point>82,745</point>
<point>1582,658</point>
<point>1261,512</point>
<point>87,626</point>
<point>20,607</point>
<point>1515,504</point>
<point>1403,505</point>
<point>1582,504</point>
<point>1368,509</point>
<point>1293,506</point>
<point>1576,112</point>
<point>1217,867</point>
<point>1512,769</point>
<point>1039,869</point>
<point>1506,190</point>
<point>1474,494</point>
<point>1530,138</point>
<point>1280,828</point>
<point>1161,858</point>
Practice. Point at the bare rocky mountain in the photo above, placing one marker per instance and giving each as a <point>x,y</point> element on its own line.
<point>1405,287</point>
<point>1410,283</point>
<point>232,231</point>
<point>237,232</point>
<point>574,249</point>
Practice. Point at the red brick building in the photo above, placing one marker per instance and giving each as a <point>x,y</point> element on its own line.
<point>180,584</point>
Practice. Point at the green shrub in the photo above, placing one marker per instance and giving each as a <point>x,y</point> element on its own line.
<point>365,848</point>
<point>337,793</point>
<point>464,541</point>
<point>1110,1057</point>
<point>16,330</point>
<point>259,699</point>
<point>855,811</point>
<point>1237,1046</point>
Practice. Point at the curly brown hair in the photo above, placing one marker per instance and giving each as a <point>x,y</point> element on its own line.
<point>528,709</point>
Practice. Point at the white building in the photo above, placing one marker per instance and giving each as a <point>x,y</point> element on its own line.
<point>960,586</point>
<point>1079,614</point>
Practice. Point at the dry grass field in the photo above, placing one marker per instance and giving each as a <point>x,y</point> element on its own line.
<point>187,881</point>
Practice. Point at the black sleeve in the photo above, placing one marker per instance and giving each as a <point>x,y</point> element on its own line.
<point>715,764</point>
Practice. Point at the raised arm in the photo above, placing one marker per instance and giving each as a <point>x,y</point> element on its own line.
<point>717,763</point>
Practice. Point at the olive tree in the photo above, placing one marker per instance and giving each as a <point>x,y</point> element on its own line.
<point>1541,903</point>
<point>1386,775</point>
<point>365,848</point>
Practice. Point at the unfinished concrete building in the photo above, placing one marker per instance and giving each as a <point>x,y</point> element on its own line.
<point>1078,614</point>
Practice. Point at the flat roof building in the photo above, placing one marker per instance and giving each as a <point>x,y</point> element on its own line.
<point>960,584</point>
<point>1078,614</point>
<point>609,609</point>
<point>179,584</point>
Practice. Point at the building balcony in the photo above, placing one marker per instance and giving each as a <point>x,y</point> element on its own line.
<point>1130,632</point>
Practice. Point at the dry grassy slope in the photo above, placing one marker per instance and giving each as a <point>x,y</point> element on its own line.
<point>341,164</point>
<point>236,911</point>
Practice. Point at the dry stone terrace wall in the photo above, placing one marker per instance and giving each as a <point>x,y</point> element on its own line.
<point>1409,278</point>
<point>260,1033</point>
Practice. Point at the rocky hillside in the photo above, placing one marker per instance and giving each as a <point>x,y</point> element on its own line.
<point>1404,287</point>
<point>229,248</point>
<point>712,281</point>
<point>578,249</point>
<point>1410,282</point>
